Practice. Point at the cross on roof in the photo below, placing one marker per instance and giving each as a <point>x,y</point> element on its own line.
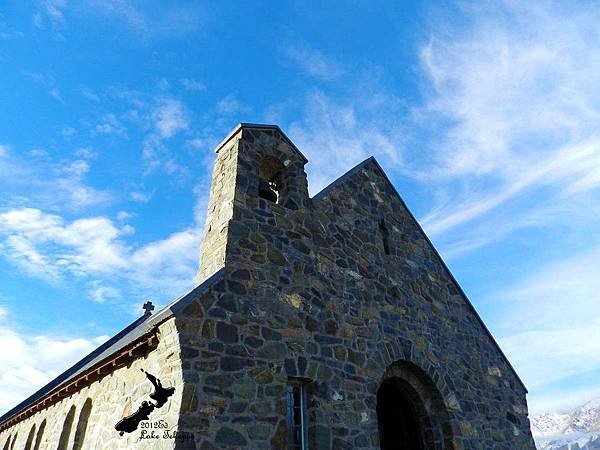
<point>148,308</point>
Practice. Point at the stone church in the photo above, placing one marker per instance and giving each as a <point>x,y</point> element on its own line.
<point>318,323</point>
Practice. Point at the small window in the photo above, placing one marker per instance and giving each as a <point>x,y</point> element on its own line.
<point>12,446</point>
<point>383,232</point>
<point>30,438</point>
<point>40,434</point>
<point>270,175</point>
<point>63,441</point>
<point>297,415</point>
<point>82,424</point>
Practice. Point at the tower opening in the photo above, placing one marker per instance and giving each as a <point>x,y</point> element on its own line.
<point>270,174</point>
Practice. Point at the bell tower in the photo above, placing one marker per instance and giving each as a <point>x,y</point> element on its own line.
<point>258,176</point>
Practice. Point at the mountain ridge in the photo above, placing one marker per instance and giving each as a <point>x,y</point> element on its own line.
<point>577,429</point>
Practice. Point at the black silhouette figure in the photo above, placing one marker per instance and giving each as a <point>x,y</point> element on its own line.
<point>160,394</point>
<point>130,423</point>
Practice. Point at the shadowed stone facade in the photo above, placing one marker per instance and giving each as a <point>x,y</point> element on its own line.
<point>342,293</point>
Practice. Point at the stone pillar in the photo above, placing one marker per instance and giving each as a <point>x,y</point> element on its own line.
<point>250,158</point>
<point>220,210</point>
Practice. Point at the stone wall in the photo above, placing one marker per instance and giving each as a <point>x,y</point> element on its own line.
<point>342,292</point>
<point>109,396</point>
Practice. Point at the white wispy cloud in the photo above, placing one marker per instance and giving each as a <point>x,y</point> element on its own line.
<point>231,105</point>
<point>54,92</point>
<point>100,293</point>
<point>169,117</point>
<point>149,19</point>
<point>68,131</point>
<point>43,79</point>
<point>28,361</point>
<point>192,85</point>
<point>85,153</point>
<point>520,102</point>
<point>169,265</point>
<point>569,170</point>
<point>89,94</point>
<point>313,62</point>
<point>556,311</point>
<point>141,197</point>
<point>337,136</point>
<point>47,81</point>
<point>80,247</point>
<point>160,118</point>
<point>51,11</point>
<point>110,124</point>
<point>124,215</point>
<point>93,248</point>
<point>56,184</point>
<point>7,32</point>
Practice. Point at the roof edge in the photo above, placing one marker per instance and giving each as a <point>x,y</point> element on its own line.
<point>69,372</point>
<point>180,302</point>
<point>150,321</point>
<point>137,348</point>
<point>258,126</point>
<point>317,197</point>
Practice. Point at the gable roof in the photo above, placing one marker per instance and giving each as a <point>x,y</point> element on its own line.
<point>371,161</point>
<point>259,126</point>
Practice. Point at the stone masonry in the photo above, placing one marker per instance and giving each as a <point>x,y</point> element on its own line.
<point>342,291</point>
<point>108,397</point>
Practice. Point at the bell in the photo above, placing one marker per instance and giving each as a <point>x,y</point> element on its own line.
<point>265,191</point>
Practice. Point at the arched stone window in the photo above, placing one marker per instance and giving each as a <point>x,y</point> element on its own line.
<point>13,441</point>
<point>82,424</point>
<point>66,430</point>
<point>271,177</point>
<point>40,435</point>
<point>30,438</point>
<point>7,443</point>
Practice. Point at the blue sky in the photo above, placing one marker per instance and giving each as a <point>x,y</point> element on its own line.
<point>485,115</point>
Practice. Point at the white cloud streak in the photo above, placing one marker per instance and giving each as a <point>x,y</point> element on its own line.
<point>109,124</point>
<point>29,362</point>
<point>313,62</point>
<point>556,311</point>
<point>49,247</point>
<point>54,184</point>
<point>151,19</point>
<point>521,103</point>
<point>169,117</point>
<point>192,85</point>
<point>230,105</point>
<point>335,137</point>
<point>52,11</point>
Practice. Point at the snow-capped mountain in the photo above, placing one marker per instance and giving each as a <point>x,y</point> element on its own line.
<point>578,429</point>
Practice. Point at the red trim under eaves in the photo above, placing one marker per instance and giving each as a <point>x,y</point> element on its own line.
<point>142,346</point>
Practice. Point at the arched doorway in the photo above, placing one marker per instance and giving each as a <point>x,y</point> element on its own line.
<point>411,413</point>
<point>400,422</point>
